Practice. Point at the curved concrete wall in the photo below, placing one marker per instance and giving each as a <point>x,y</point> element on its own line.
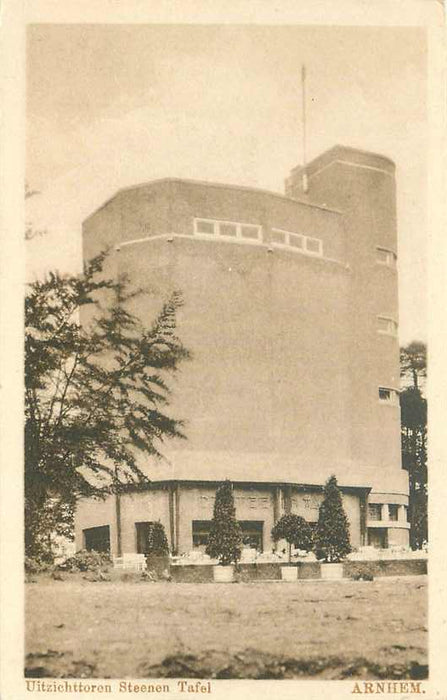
<point>287,360</point>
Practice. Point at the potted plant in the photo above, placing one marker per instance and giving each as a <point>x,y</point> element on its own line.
<point>331,540</point>
<point>157,549</point>
<point>225,538</point>
<point>296,531</point>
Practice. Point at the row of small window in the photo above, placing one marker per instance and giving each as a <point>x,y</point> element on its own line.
<point>278,237</point>
<point>252,232</point>
<point>227,229</point>
<point>306,244</point>
<point>98,538</point>
<point>375,511</point>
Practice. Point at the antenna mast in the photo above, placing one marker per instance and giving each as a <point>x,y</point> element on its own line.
<point>303,106</point>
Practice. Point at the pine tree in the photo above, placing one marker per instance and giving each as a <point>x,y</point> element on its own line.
<point>295,530</point>
<point>331,539</point>
<point>157,541</point>
<point>96,393</point>
<point>413,413</point>
<point>225,538</point>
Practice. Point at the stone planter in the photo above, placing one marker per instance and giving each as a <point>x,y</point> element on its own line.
<point>331,571</point>
<point>289,573</point>
<point>223,574</point>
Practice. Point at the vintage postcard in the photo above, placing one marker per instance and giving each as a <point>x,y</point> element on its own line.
<point>222,292</point>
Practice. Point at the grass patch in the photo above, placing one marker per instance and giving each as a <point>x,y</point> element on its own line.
<point>119,629</point>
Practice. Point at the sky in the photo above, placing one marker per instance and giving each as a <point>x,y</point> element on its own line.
<point>110,106</point>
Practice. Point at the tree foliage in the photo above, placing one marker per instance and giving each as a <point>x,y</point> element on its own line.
<point>96,392</point>
<point>331,539</point>
<point>413,363</point>
<point>295,530</point>
<point>225,538</point>
<point>157,542</point>
<point>414,438</point>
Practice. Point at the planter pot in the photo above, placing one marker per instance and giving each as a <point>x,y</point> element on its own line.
<point>158,564</point>
<point>289,573</point>
<point>332,571</point>
<point>223,574</point>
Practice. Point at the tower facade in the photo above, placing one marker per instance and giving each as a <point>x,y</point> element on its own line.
<point>291,316</point>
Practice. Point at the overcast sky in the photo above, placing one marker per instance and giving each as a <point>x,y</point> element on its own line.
<point>114,105</point>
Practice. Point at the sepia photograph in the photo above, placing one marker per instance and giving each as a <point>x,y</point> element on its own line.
<point>225,357</point>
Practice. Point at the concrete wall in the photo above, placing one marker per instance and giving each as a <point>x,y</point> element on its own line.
<point>142,507</point>
<point>363,186</point>
<point>255,503</point>
<point>198,504</point>
<point>287,360</point>
<point>307,505</point>
<point>260,325</point>
<point>92,512</point>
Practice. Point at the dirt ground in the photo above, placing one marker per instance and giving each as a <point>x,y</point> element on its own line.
<point>356,629</point>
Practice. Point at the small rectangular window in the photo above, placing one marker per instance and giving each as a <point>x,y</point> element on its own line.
<point>393,512</point>
<point>386,257</point>
<point>374,511</point>
<point>296,241</point>
<point>387,395</point>
<point>250,232</point>
<point>228,229</point>
<point>382,324</point>
<point>386,325</point>
<point>203,226</point>
<point>278,237</point>
<point>313,245</point>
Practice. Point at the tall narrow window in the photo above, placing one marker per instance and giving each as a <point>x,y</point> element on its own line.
<point>393,511</point>
<point>144,532</point>
<point>374,511</point>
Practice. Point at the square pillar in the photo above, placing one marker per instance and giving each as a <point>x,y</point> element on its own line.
<point>288,498</point>
<point>174,498</point>
<point>278,503</point>
<point>402,514</point>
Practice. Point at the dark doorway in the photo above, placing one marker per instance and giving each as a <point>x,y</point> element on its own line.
<point>144,531</point>
<point>252,533</point>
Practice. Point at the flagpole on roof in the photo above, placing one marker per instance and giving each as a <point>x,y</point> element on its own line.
<point>303,114</point>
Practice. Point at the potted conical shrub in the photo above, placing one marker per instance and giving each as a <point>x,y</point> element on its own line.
<point>297,532</point>
<point>331,539</point>
<point>157,549</point>
<point>225,538</point>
